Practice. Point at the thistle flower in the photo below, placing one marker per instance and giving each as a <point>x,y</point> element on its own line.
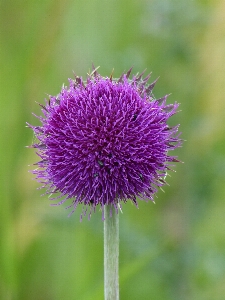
<point>105,141</point>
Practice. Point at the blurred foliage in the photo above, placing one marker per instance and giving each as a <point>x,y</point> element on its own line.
<point>172,250</point>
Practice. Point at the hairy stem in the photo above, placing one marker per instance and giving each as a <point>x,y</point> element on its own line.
<point>111,253</point>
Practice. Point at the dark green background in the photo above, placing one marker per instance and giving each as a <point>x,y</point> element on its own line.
<point>172,250</point>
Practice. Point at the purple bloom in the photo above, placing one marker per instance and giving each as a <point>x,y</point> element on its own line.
<point>105,141</point>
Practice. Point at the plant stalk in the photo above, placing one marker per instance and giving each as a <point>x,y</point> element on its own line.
<point>111,253</point>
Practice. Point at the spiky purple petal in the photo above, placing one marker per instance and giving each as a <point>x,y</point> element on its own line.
<point>105,141</point>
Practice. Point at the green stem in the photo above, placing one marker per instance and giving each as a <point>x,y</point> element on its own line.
<point>111,253</point>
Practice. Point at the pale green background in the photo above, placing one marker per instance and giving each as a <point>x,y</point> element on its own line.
<point>172,250</point>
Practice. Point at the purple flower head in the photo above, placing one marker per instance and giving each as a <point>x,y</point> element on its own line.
<point>105,141</point>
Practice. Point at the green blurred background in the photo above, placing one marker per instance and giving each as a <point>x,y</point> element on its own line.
<point>172,250</point>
